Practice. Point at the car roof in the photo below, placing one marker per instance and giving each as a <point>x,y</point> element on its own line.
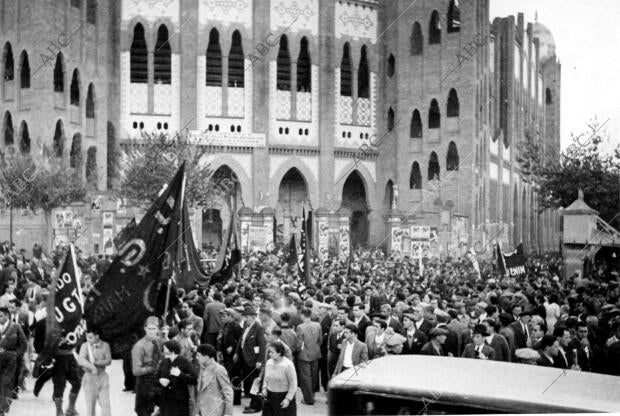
<point>489,384</point>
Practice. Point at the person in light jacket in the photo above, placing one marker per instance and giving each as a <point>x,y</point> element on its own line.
<point>280,383</point>
<point>215,393</point>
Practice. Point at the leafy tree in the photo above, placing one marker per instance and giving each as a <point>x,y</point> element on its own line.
<point>151,161</point>
<point>582,165</point>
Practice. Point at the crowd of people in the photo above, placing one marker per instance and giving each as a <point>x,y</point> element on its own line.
<point>266,332</point>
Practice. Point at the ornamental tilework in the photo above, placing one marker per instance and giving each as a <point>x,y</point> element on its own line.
<point>283,105</point>
<point>213,103</point>
<point>226,11</point>
<point>363,111</point>
<point>138,98</point>
<point>355,21</point>
<point>151,10</point>
<point>304,106</point>
<point>162,99</point>
<point>235,101</point>
<point>295,15</point>
<point>346,110</point>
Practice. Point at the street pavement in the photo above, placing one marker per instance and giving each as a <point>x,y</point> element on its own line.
<point>122,402</point>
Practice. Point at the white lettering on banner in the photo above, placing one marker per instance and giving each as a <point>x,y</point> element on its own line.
<point>516,271</point>
<point>64,279</point>
<point>133,256</point>
<point>73,336</point>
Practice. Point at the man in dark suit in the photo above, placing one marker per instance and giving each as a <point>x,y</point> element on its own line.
<point>391,319</point>
<point>415,339</point>
<point>310,338</point>
<point>477,348</point>
<point>231,334</point>
<point>353,352</point>
<point>438,337</point>
<point>581,343</point>
<point>13,344</point>
<point>549,346</point>
<point>21,318</point>
<point>497,341</point>
<point>212,320</point>
<point>334,344</point>
<point>564,359</point>
<point>361,320</point>
<point>251,351</point>
<point>521,329</point>
<point>420,323</point>
<point>326,317</point>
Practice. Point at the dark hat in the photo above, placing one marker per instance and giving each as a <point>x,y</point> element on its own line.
<point>435,332</point>
<point>480,329</point>
<point>378,315</point>
<point>248,311</point>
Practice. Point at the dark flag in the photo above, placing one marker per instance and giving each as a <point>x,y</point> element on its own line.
<point>303,256</point>
<point>190,270</point>
<point>140,280</point>
<point>501,264</point>
<point>65,325</point>
<point>229,256</point>
<point>122,237</point>
<point>514,263</point>
<point>292,251</point>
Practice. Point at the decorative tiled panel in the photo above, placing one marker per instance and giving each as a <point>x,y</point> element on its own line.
<point>346,110</point>
<point>151,10</point>
<point>315,98</point>
<point>138,97</point>
<point>373,100</point>
<point>295,15</point>
<point>162,98</point>
<point>356,21</point>
<point>304,106</point>
<point>337,94</point>
<point>353,137</point>
<point>236,99</point>
<point>225,11</point>
<point>283,105</point>
<point>213,100</point>
<point>363,111</point>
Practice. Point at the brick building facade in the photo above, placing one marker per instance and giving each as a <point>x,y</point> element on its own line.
<point>379,111</point>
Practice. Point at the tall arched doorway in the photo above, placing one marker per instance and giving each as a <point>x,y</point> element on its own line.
<point>292,198</point>
<point>216,214</point>
<point>354,199</point>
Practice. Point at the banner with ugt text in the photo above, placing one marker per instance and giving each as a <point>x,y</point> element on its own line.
<point>515,262</point>
<point>65,323</point>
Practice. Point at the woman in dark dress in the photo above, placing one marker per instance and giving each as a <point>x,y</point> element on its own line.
<point>176,374</point>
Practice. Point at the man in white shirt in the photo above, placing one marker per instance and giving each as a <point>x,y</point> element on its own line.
<point>354,352</point>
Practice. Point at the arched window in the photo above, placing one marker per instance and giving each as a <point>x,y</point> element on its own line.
<point>90,102</point>
<point>415,178</point>
<point>452,160</point>
<point>417,39</point>
<point>391,63</point>
<point>390,119</point>
<point>363,79</point>
<point>163,57</point>
<point>8,129</point>
<point>345,72</point>
<point>416,125</point>
<point>59,139</point>
<point>388,199</point>
<point>434,29</point>
<point>138,57</point>
<point>304,71</point>
<point>91,11</point>
<point>91,166</point>
<point>434,115</point>
<point>24,70</point>
<point>75,155</point>
<point>454,17</point>
<point>284,66</point>
<point>453,104</point>
<point>235,62</point>
<point>9,64</point>
<point>433,167</point>
<point>24,140</point>
<point>75,88</point>
<point>59,74</point>
<point>214,59</point>
<point>548,98</point>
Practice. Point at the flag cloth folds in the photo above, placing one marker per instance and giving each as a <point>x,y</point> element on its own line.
<point>125,234</point>
<point>191,272</point>
<point>229,256</point>
<point>471,256</point>
<point>137,282</point>
<point>514,262</point>
<point>304,251</point>
<point>65,325</point>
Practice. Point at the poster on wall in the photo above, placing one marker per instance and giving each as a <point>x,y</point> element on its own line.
<point>323,227</point>
<point>245,231</point>
<point>108,219</point>
<point>344,242</point>
<point>396,242</point>
<point>257,237</point>
<point>406,238</point>
<point>108,241</point>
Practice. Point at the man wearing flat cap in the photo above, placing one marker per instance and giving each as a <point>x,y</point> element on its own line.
<point>145,357</point>
<point>415,339</point>
<point>477,348</point>
<point>434,347</point>
<point>251,352</point>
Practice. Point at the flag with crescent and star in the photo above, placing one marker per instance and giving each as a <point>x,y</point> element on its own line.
<point>136,283</point>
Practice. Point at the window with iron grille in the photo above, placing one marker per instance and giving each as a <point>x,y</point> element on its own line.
<point>59,74</point>
<point>75,88</point>
<point>90,102</point>
<point>24,71</point>
<point>138,57</point>
<point>363,78</point>
<point>214,60</point>
<point>163,57</point>
<point>345,72</point>
<point>284,66</point>
<point>304,72</point>
<point>9,64</point>
<point>235,62</point>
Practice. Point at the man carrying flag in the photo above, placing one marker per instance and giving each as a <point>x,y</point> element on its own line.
<point>65,327</point>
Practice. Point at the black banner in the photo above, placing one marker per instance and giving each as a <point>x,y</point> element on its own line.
<point>65,325</point>
<point>229,256</point>
<point>512,264</point>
